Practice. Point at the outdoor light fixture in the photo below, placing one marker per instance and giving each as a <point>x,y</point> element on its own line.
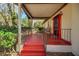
<point>61,12</point>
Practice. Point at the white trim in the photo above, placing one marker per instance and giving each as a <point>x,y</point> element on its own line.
<point>58,48</point>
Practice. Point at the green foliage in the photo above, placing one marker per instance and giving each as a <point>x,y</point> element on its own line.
<point>8,12</point>
<point>38,26</point>
<point>7,39</point>
<point>14,15</point>
<point>26,23</point>
<point>1,35</point>
<point>7,32</point>
<point>7,36</point>
<point>9,29</point>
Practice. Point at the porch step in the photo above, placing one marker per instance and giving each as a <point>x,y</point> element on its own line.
<point>33,50</point>
<point>32,54</point>
<point>38,44</point>
<point>33,47</point>
<point>36,48</point>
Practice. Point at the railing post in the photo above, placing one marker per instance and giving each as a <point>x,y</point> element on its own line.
<point>67,34</point>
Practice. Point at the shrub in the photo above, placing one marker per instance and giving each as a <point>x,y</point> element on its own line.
<point>1,37</point>
<point>9,29</point>
<point>7,39</point>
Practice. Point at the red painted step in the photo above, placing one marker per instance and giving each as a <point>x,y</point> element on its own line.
<point>28,51</point>
<point>32,54</point>
<point>33,46</point>
<point>34,43</point>
<point>32,49</point>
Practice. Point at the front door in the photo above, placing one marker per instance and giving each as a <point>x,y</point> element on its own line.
<point>57,26</point>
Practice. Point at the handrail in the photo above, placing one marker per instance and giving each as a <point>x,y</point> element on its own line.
<point>65,35</point>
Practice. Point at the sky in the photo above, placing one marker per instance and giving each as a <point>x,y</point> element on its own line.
<point>23,15</point>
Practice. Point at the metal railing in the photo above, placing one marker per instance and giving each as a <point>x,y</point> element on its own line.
<point>66,34</point>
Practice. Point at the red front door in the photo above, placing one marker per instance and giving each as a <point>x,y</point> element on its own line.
<point>57,26</point>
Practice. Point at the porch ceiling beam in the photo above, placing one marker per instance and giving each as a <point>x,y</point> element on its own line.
<point>55,12</point>
<point>26,11</point>
<point>40,17</point>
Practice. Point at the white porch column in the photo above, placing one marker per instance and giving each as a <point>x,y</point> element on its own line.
<point>19,28</point>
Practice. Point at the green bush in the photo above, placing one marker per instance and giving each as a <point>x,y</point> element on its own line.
<point>9,29</point>
<point>1,34</point>
<point>7,39</point>
<point>7,36</point>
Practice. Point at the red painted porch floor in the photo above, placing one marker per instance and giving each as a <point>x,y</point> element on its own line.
<point>33,46</point>
<point>53,41</point>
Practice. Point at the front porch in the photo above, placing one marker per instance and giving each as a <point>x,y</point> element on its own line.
<point>39,44</point>
<point>40,33</point>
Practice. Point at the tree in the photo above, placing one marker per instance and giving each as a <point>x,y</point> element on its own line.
<point>8,13</point>
<point>26,23</point>
<point>12,13</point>
<point>38,26</point>
<point>3,13</point>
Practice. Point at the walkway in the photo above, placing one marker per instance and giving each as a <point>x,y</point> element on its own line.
<point>33,46</point>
